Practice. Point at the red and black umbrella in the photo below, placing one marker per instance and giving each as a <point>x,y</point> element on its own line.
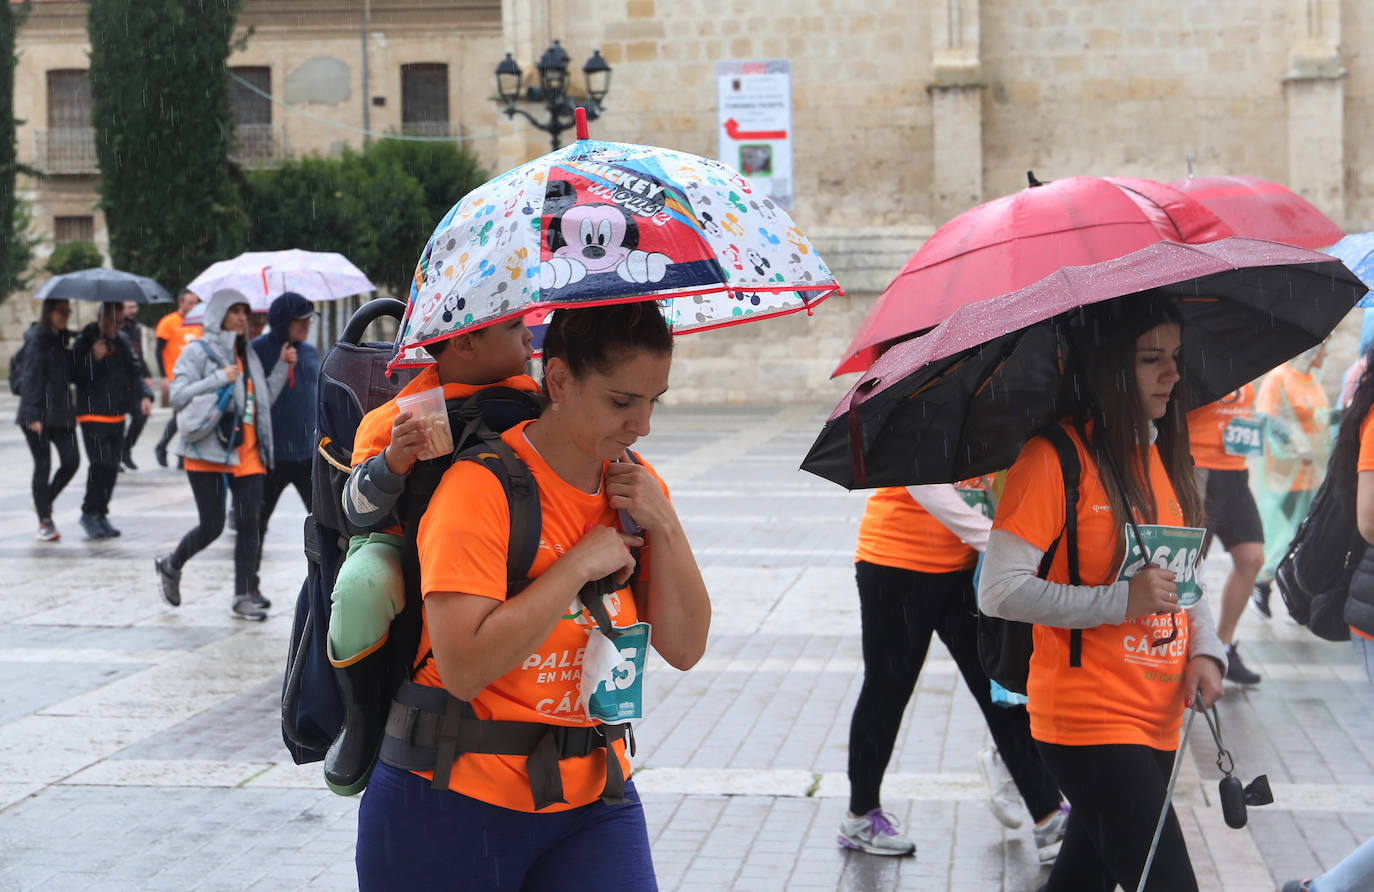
<point>962,400</point>
<point>1257,208</point>
<point>1016,240</point>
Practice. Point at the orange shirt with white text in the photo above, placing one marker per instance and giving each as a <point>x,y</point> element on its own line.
<point>897,532</point>
<point>1207,430</point>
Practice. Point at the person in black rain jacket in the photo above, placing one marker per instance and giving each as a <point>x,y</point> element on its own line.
<point>46,413</point>
<point>109,385</point>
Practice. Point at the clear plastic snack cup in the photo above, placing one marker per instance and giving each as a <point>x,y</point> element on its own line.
<point>428,406</point>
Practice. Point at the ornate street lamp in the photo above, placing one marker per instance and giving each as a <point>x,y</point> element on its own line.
<point>552,91</point>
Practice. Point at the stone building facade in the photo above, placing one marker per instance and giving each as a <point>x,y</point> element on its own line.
<point>905,112</point>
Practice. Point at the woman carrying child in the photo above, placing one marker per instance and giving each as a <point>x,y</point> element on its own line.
<point>547,819</point>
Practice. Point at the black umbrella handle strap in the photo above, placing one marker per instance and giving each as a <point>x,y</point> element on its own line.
<point>1225,763</point>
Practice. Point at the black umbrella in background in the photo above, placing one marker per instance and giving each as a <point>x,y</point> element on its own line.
<point>961,401</point>
<point>103,286</point>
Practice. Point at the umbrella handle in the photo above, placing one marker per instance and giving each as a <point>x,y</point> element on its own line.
<point>580,119</point>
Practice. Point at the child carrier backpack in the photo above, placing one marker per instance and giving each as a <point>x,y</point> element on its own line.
<point>353,381</point>
<point>1004,646</point>
<point>1315,574</point>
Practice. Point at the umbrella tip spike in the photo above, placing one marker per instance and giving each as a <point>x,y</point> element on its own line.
<point>580,118</point>
<point>1031,180</point>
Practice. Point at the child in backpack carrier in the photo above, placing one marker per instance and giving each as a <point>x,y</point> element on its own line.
<point>370,589</point>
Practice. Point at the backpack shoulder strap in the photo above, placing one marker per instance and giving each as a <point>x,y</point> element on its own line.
<point>1072,471</point>
<point>522,495</point>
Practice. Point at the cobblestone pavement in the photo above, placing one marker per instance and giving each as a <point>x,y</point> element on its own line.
<point>140,745</point>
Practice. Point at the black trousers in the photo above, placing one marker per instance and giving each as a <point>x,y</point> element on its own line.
<point>282,475</point>
<point>168,433</point>
<point>104,447</point>
<point>1117,791</point>
<point>209,489</point>
<point>45,490</point>
<point>899,610</point>
<point>137,421</point>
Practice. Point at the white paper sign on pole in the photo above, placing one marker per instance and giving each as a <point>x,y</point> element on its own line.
<point>754,105</point>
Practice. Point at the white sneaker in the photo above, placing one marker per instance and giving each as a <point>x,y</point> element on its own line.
<point>875,833</point>
<point>1003,798</point>
<point>1050,836</point>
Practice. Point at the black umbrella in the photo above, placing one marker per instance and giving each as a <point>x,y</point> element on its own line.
<point>962,401</point>
<point>103,286</point>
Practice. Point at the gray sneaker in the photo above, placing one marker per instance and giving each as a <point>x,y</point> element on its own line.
<point>875,833</point>
<point>168,580</point>
<point>1003,798</point>
<point>1050,835</point>
<point>244,608</point>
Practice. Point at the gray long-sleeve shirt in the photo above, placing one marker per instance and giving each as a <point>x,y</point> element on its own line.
<point>371,494</point>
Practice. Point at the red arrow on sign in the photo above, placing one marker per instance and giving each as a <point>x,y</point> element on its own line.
<point>732,130</point>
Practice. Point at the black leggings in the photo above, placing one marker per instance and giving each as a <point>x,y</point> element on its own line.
<point>104,447</point>
<point>137,420</point>
<point>208,489</point>
<point>69,459</point>
<point>899,609</point>
<point>1117,791</point>
<point>282,475</point>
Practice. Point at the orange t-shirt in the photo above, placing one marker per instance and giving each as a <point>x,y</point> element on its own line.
<point>173,329</point>
<point>463,540</point>
<point>1207,430</point>
<point>1286,392</point>
<point>897,532</point>
<point>374,431</point>
<point>250,457</point>
<point>1125,691</point>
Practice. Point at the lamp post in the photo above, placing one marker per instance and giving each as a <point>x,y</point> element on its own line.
<point>552,91</point>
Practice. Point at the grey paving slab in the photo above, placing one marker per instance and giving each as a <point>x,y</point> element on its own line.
<point>140,745</point>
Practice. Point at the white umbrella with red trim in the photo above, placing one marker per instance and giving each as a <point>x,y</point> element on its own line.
<point>318,276</point>
<point>599,223</point>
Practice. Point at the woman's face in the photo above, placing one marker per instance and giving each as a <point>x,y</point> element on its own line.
<point>1156,367</point>
<point>235,318</point>
<point>606,414</point>
<point>61,312</point>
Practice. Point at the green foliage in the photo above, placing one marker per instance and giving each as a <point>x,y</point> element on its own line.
<point>14,215</point>
<point>73,256</point>
<point>376,208</point>
<point>444,171</point>
<point>163,131</point>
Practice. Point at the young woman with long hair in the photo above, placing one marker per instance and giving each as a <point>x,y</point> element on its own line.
<point>1115,657</point>
<point>47,413</point>
<point>561,813</point>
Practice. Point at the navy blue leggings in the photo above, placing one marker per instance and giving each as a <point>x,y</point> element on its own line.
<point>413,837</point>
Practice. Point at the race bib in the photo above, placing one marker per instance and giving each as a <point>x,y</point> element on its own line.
<point>613,675</point>
<point>1169,548</point>
<point>1244,437</point>
<point>248,407</point>
<point>977,499</point>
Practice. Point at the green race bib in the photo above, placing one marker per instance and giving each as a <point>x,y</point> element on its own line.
<point>619,694</point>
<point>1169,548</point>
<point>977,499</point>
<point>1244,437</point>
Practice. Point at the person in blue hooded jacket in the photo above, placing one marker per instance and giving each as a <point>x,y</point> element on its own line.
<point>293,414</point>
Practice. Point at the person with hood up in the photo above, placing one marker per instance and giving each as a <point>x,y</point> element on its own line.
<point>220,363</point>
<point>109,385</point>
<point>46,412</point>
<point>293,414</point>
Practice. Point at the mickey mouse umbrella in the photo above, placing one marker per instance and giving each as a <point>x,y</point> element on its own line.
<point>599,223</point>
<point>961,401</point>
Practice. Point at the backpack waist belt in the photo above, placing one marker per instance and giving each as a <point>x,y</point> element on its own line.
<point>427,729</point>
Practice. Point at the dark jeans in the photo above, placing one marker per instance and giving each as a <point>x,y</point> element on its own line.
<point>208,487</point>
<point>69,459</point>
<point>137,420</point>
<point>899,610</point>
<point>104,447</point>
<point>411,836</point>
<point>282,475</point>
<point>1117,791</point>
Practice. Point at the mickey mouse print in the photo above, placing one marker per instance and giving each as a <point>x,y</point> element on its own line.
<point>599,223</point>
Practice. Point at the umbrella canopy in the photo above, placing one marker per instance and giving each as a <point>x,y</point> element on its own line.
<point>1018,239</point>
<point>1357,252</point>
<point>103,285</point>
<point>1257,208</point>
<point>962,400</point>
<point>598,223</point>
<point>262,275</point>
